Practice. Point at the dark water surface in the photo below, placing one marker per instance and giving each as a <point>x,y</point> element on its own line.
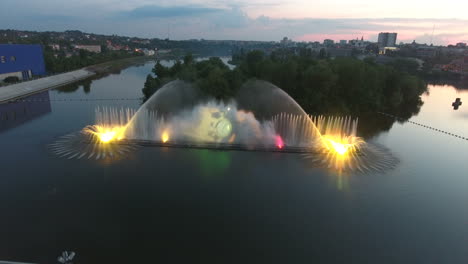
<point>161,205</point>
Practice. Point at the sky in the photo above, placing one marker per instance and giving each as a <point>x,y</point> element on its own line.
<point>429,21</point>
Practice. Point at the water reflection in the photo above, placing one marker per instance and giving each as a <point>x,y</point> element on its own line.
<point>21,112</point>
<point>438,110</point>
<point>73,87</point>
<point>101,72</point>
<point>156,201</point>
<point>212,163</point>
<point>457,83</point>
<point>86,83</point>
<point>372,124</point>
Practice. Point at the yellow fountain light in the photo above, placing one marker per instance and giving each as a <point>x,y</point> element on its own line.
<point>165,137</point>
<point>341,145</point>
<point>106,134</point>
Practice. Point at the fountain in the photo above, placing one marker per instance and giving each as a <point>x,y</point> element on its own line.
<point>262,117</point>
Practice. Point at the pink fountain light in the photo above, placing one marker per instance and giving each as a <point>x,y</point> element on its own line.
<point>279,142</point>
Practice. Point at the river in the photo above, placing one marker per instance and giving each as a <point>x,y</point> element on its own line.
<point>173,205</point>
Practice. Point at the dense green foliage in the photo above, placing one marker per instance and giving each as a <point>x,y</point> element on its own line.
<point>60,63</point>
<point>342,85</point>
<point>11,79</point>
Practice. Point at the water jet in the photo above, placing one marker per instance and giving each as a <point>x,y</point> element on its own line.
<point>262,117</point>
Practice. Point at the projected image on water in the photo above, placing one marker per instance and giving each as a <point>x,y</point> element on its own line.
<point>261,117</point>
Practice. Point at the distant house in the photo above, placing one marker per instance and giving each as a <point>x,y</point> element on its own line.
<point>21,61</point>
<point>148,52</point>
<point>328,42</point>
<point>385,50</point>
<point>112,46</point>
<point>358,44</point>
<point>456,66</point>
<point>55,47</point>
<point>91,48</point>
<point>164,51</point>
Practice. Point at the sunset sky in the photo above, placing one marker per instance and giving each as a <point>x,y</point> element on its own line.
<point>300,20</point>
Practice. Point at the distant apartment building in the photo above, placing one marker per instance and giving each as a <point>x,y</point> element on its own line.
<point>90,48</point>
<point>426,51</point>
<point>460,45</point>
<point>343,42</point>
<point>21,61</point>
<point>328,42</point>
<point>387,39</point>
<point>314,44</point>
<point>358,43</point>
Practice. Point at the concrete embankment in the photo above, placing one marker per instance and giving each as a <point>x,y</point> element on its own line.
<point>15,91</point>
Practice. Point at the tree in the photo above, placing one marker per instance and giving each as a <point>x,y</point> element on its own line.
<point>338,86</point>
<point>160,71</point>
<point>11,79</point>
<point>188,59</point>
<point>322,53</point>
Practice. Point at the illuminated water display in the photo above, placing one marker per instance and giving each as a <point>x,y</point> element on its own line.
<point>178,115</point>
<point>271,207</point>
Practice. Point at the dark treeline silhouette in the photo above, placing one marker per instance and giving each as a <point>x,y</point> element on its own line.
<point>61,63</point>
<point>320,85</point>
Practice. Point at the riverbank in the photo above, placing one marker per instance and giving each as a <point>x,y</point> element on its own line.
<point>116,65</point>
<point>15,91</point>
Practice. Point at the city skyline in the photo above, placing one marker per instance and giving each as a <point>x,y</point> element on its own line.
<point>423,21</point>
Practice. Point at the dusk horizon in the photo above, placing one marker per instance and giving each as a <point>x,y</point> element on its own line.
<point>427,22</point>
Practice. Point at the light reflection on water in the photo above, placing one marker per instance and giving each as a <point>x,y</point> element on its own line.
<point>232,201</point>
<point>438,111</point>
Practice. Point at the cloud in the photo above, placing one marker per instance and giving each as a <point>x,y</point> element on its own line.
<point>154,11</point>
<point>233,18</point>
<point>214,19</point>
<point>446,30</point>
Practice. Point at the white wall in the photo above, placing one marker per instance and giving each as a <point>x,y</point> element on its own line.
<point>17,74</point>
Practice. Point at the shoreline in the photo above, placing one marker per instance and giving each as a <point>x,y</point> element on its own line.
<point>19,90</point>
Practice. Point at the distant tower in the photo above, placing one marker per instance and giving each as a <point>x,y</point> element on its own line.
<point>432,35</point>
<point>387,39</point>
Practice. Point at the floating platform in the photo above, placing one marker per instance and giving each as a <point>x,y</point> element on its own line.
<point>220,146</point>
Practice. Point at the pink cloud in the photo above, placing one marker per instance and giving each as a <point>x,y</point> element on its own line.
<point>337,36</point>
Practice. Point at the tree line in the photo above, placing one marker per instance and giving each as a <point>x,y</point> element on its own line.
<point>320,85</point>
<point>57,63</point>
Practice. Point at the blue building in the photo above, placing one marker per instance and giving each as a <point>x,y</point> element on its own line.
<point>22,61</point>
